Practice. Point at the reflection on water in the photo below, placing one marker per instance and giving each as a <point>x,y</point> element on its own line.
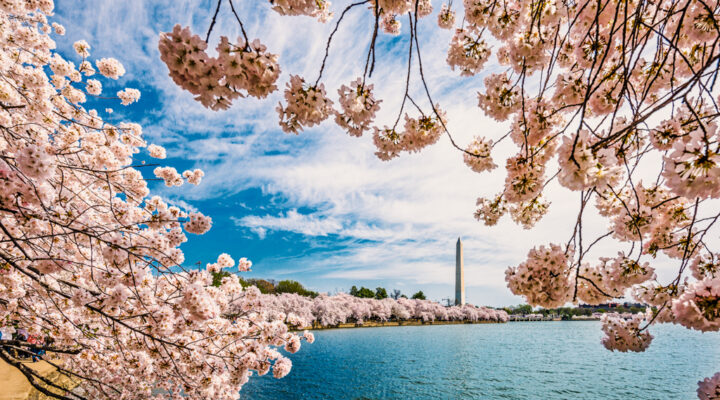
<point>519,360</point>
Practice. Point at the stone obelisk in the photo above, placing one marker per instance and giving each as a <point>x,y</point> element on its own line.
<point>459,275</point>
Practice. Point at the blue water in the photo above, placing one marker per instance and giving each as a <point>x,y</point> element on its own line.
<point>518,360</point>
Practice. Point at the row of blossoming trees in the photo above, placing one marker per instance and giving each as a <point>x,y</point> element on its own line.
<point>328,311</point>
<point>615,101</point>
<point>89,262</point>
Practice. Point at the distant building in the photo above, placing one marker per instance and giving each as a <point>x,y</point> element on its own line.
<point>459,275</point>
<point>607,306</point>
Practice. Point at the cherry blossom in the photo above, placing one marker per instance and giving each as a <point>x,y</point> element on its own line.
<point>467,53</point>
<point>544,278</point>
<point>91,259</point>
<point>709,388</point>
<point>698,307</point>
<point>446,17</point>
<point>624,335</point>
<point>128,96</point>
<point>501,97</point>
<point>418,134</point>
<point>242,69</point>
<point>306,106</point>
<point>359,107</point>
<point>390,24</point>
<point>329,311</point>
<point>626,125</point>
<point>479,159</point>
<point>156,151</point>
<point>490,210</point>
<point>193,177</point>
<point>82,48</point>
<point>110,68</point>
<point>319,9</point>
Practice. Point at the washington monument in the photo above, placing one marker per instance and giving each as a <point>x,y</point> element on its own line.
<point>459,275</point>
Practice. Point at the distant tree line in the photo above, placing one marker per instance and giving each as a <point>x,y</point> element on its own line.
<point>269,286</point>
<point>381,293</point>
<point>569,312</point>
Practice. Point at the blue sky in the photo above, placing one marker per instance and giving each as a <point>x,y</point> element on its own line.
<point>318,207</point>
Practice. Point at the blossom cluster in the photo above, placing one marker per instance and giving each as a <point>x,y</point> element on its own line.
<point>545,277</point>
<point>446,17</point>
<point>625,335</point>
<point>611,278</point>
<point>358,107</point>
<point>89,257</point>
<point>240,69</point>
<point>319,9</point>
<point>699,306</point>
<point>467,52</point>
<point>477,155</point>
<point>306,105</point>
<point>418,134</point>
<point>325,310</point>
<point>709,388</point>
<point>628,125</point>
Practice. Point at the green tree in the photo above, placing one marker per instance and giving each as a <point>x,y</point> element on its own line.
<point>354,291</point>
<point>419,295</point>
<point>522,309</point>
<point>365,293</point>
<point>265,287</point>
<point>218,276</point>
<point>381,293</point>
<point>290,286</point>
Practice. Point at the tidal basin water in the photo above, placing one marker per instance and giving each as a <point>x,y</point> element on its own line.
<point>516,360</point>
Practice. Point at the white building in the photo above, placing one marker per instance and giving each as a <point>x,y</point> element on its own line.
<point>459,275</point>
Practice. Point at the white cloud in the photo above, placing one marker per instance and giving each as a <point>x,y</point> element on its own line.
<point>399,220</point>
<point>184,205</point>
<point>292,221</point>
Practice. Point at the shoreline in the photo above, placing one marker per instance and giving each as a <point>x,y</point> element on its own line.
<point>378,324</point>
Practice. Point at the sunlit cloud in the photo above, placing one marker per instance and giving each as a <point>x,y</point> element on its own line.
<point>320,207</point>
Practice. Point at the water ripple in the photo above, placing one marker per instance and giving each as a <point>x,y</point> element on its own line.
<point>532,360</point>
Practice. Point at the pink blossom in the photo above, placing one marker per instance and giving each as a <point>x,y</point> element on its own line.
<point>359,107</point>
<point>169,175</point>
<point>282,367</point>
<point>319,9</point>
<point>82,48</point>
<point>128,96</point>
<point>467,53</point>
<point>697,307</point>
<point>625,335</point>
<point>193,177</point>
<point>306,106</point>
<point>110,68</point>
<point>198,223</point>
<point>544,279</point>
<point>446,17</point>
<point>479,160</point>
<point>709,388</point>
<point>156,151</point>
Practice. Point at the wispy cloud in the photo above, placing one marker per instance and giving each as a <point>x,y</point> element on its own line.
<point>184,205</point>
<point>292,221</point>
<point>358,219</point>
